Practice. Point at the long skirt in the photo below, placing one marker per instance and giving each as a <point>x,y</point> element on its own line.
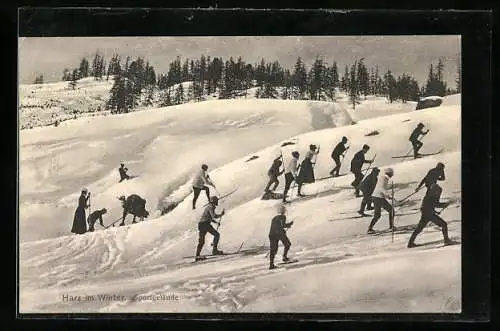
<point>79,222</point>
<point>306,172</point>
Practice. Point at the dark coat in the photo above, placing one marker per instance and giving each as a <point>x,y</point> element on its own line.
<point>338,150</point>
<point>135,205</point>
<point>415,134</point>
<point>278,226</point>
<point>431,200</point>
<point>274,170</point>
<point>357,161</point>
<point>80,219</point>
<point>432,177</point>
<point>306,172</point>
<point>368,184</point>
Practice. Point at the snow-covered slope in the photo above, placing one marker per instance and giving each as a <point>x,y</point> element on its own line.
<point>163,146</point>
<point>340,268</point>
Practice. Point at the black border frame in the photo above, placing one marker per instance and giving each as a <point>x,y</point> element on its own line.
<point>475,27</point>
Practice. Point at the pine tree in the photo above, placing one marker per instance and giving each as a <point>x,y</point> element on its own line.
<point>179,95</point>
<point>363,78</point>
<point>300,79</point>
<point>316,79</point>
<point>353,86</point>
<point>390,86</point>
<point>345,80</point>
<point>458,80</point>
<point>84,68</point>
<point>74,79</point>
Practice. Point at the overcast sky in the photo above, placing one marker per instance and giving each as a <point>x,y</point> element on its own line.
<point>410,54</point>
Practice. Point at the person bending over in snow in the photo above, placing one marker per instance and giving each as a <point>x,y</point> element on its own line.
<point>204,226</point>
<point>337,152</point>
<point>290,173</point>
<point>277,233</point>
<point>200,181</point>
<point>432,176</point>
<point>97,215</point>
<point>123,172</point>
<point>356,164</point>
<point>417,144</point>
<point>380,196</point>
<point>306,172</point>
<point>367,186</point>
<point>273,173</point>
<point>429,214</point>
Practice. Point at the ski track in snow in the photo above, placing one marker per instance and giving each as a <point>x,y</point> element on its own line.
<point>145,258</point>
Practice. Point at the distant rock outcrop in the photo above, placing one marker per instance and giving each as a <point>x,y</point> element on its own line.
<point>429,102</point>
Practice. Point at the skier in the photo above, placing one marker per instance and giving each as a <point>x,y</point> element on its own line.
<point>367,186</point>
<point>278,233</point>
<point>92,219</point>
<point>290,173</point>
<point>204,226</point>
<point>337,152</point>
<point>356,164</point>
<point>306,172</point>
<point>273,173</point>
<point>429,203</point>
<point>432,176</point>
<point>199,181</point>
<point>417,144</point>
<point>79,220</point>
<point>380,196</point>
<point>123,172</point>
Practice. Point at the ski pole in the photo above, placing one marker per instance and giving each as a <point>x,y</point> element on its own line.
<point>392,211</point>
<point>366,170</point>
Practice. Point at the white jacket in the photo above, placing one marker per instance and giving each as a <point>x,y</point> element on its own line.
<point>200,179</point>
<point>383,189</point>
<point>292,167</point>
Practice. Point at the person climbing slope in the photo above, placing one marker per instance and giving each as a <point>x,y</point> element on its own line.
<point>337,152</point>
<point>432,176</point>
<point>429,214</point>
<point>367,186</point>
<point>200,182</point>
<point>290,172</point>
<point>277,233</point>
<point>306,172</point>
<point>417,144</point>
<point>356,164</point>
<point>273,173</point>
<point>381,195</point>
<point>123,172</point>
<point>209,215</point>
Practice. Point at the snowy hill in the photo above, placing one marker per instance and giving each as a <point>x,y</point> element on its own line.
<point>43,104</point>
<point>340,268</point>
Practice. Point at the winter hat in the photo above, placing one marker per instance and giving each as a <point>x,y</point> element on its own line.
<point>344,139</point>
<point>365,146</point>
<point>214,199</point>
<point>295,154</point>
<point>440,165</point>
<point>204,167</point>
<point>376,170</point>
<point>420,125</point>
<point>389,171</point>
<point>312,147</point>
<point>104,210</point>
<point>84,190</point>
